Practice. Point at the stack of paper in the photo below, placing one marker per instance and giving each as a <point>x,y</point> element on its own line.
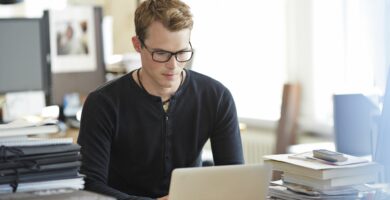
<point>307,178</point>
<point>28,127</point>
<point>282,192</point>
<point>73,183</point>
<point>34,164</point>
<point>68,194</point>
<point>30,141</point>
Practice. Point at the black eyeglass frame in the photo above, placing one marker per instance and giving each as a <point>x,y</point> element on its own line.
<point>171,53</point>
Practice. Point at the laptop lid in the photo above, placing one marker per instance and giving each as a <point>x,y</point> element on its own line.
<point>232,182</point>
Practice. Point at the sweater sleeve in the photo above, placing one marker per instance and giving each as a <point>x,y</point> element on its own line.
<point>96,132</point>
<point>226,139</point>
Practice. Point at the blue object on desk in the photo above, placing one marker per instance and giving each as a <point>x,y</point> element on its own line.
<point>354,122</point>
<point>382,151</point>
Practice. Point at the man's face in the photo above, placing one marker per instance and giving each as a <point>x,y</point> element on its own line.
<point>160,39</point>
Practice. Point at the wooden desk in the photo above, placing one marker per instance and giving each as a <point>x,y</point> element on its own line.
<point>69,133</point>
<point>73,133</point>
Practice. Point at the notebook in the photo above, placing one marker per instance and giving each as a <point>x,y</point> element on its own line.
<point>244,182</point>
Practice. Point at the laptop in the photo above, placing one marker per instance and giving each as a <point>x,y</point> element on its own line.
<point>230,182</point>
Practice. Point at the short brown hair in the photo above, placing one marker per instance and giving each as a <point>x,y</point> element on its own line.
<point>173,14</point>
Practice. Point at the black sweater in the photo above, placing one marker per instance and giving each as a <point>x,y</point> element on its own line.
<point>130,145</point>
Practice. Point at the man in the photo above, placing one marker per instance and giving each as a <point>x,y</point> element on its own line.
<point>135,130</point>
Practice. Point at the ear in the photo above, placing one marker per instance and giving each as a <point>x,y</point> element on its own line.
<point>136,44</point>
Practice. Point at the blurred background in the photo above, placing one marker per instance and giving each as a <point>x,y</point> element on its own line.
<point>258,48</point>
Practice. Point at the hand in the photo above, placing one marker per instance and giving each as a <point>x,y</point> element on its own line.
<point>163,198</point>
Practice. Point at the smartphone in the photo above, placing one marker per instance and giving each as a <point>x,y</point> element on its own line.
<point>329,156</point>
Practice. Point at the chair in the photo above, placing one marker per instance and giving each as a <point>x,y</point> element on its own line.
<point>287,125</point>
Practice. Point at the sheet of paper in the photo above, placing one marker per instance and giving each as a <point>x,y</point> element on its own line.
<point>20,104</point>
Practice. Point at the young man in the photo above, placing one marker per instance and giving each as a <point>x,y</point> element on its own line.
<point>135,130</point>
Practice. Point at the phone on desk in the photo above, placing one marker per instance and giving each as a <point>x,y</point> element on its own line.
<point>329,156</point>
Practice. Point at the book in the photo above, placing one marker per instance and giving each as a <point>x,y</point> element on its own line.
<point>55,194</point>
<point>27,127</point>
<point>18,153</point>
<point>308,156</point>
<point>73,183</point>
<point>35,141</point>
<point>41,168</point>
<point>27,122</point>
<point>342,190</point>
<point>39,160</point>
<point>319,170</point>
<point>282,192</point>
<point>40,176</point>
<point>323,184</point>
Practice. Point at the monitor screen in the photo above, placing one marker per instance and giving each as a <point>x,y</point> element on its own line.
<point>24,49</point>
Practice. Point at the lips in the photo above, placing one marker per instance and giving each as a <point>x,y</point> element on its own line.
<point>169,74</point>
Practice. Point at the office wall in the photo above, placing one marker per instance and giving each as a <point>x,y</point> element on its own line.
<point>122,12</point>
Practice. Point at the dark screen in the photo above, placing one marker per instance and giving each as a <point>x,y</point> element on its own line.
<point>21,63</point>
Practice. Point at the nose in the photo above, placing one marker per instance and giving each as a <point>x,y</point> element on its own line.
<point>172,62</point>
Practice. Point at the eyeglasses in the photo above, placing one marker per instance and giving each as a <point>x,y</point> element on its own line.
<point>162,56</point>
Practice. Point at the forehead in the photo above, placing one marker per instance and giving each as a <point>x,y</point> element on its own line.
<point>160,37</point>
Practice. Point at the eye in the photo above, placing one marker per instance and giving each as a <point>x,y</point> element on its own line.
<point>184,56</point>
<point>162,53</point>
<point>184,52</point>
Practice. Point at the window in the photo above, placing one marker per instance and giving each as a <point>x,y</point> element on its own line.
<point>30,8</point>
<point>253,47</point>
<point>348,51</point>
<point>242,44</point>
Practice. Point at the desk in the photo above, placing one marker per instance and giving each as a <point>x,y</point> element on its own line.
<point>69,133</point>
<point>72,133</point>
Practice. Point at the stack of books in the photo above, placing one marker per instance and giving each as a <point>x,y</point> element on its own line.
<point>304,177</point>
<point>24,127</point>
<point>30,164</point>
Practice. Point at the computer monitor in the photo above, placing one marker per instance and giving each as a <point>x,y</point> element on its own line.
<point>382,152</point>
<point>25,55</point>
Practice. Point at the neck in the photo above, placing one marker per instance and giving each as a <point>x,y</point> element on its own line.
<point>154,89</point>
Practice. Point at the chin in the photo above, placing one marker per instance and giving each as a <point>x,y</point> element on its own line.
<point>167,85</point>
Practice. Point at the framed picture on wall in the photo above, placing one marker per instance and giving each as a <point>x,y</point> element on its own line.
<point>72,39</point>
<point>76,43</point>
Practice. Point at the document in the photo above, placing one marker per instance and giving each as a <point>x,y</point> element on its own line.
<point>19,104</point>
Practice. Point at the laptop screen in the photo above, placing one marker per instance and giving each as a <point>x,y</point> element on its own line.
<point>220,182</point>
